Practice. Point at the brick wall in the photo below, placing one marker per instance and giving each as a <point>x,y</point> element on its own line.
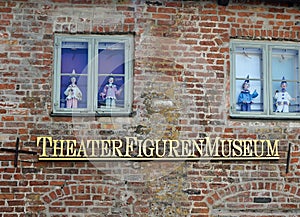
<point>182,54</point>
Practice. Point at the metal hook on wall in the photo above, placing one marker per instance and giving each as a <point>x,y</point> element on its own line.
<point>17,151</point>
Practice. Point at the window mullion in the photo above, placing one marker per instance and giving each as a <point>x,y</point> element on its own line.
<point>267,70</point>
<point>129,64</point>
<point>298,77</point>
<point>92,84</point>
<point>126,74</point>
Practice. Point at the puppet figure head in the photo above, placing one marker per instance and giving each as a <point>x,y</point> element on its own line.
<point>111,80</point>
<point>246,84</point>
<point>283,84</point>
<point>73,80</point>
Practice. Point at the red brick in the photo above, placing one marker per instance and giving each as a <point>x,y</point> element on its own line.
<point>57,183</point>
<point>167,10</point>
<point>174,4</point>
<point>289,206</point>
<point>129,20</point>
<point>47,199</point>
<point>276,10</point>
<point>7,118</point>
<point>151,9</point>
<point>283,16</point>
<point>52,195</point>
<point>82,197</point>
<point>161,16</point>
<point>7,86</point>
<point>35,209</point>
<point>6,209</point>
<point>73,203</point>
<point>6,196</point>
<point>14,203</point>
<point>57,209</point>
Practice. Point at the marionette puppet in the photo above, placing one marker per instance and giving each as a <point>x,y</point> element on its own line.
<point>110,93</point>
<point>245,98</point>
<point>73,93</point>
<point>283,98</point>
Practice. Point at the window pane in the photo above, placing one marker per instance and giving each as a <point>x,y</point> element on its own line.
<point>73,92</point>
<point>249,79</point>
<point>74,57</point>
<point>111,57</point>
<point>285,80</point>
<point>248,62</point>
<point>111,91</point>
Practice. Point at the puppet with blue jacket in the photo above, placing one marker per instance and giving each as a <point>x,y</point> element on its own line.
<point>245,97</point>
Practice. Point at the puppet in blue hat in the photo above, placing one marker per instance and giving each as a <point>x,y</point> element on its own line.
<point>245,97</point>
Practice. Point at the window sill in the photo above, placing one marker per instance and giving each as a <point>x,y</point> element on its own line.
<point>275,116</point>
<point>91,114</point>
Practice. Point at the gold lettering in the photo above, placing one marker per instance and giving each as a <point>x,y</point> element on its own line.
<point>173,148</point>
<point>70,148</point>
<point>93,143</point>
<point>247,148</point>
<point>256,148</point>
<point>44,144</point>
<point>146,148</point>
<point>129,146</point>
<point>140,148</point>
<point>186,148</point>
<point>82,150</point>
<point>157,148</point>
<point>117,148</point>
<point>224,147</point>
<point>236,148</point>
<point>273,151</point>
<point>105,148</point>
<point>209,148</point>
<point>197,146</point>
<point>58,145</point>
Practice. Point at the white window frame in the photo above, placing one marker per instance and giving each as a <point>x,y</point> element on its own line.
<point>92,89</point>
<point>267,80</point>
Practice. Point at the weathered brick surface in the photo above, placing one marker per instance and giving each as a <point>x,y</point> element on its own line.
<point>182,53</point>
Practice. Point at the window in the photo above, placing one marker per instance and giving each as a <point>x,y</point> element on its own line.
<point>264,79</point>
<point>93,75</point>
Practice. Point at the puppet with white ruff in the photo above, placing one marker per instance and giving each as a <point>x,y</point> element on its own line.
<point>283,98</point>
